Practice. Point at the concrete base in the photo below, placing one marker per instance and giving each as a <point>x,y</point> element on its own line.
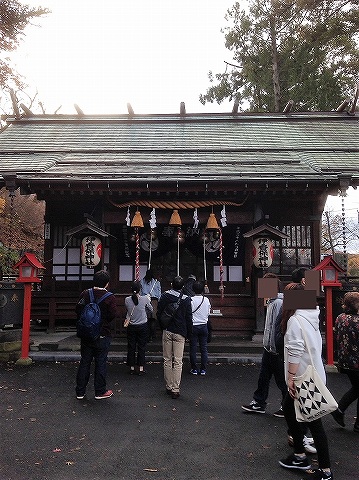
<point>331,369</point>
<point>24,361</point>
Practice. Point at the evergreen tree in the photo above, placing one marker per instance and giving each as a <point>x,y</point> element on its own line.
<point>14,17</point>
<point>303,50</point>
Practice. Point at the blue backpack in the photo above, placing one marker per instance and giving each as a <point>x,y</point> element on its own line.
<point>89,323</point>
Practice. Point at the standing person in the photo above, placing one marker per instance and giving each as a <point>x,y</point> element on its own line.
<point>96,349</point>
<point>152,287</point>
<point>298,275</point>
<point>201,308</point>
<point>174,336</point>
<point>273,353</point>
<point>347,336</point>
<point>272,357</point>
<point>188,286</point>
<point>137,328</point>
<point>296,361</point>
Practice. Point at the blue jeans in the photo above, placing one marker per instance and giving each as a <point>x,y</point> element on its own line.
<point>271,365</point>
<point>199,336</point>
<point>97,350</point>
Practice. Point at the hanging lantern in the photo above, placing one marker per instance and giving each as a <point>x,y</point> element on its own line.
<point>175,219</point>
<point>262,252</point>
<point>91,251</point>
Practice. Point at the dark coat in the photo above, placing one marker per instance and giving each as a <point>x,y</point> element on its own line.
<point>182,320</point>
<point>108,309</point>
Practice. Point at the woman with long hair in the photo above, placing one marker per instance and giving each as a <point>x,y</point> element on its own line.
<point>347,336</point>
<point>296,361</point>
<point>137,328</point>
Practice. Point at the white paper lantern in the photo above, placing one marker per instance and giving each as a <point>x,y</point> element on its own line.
<point>91,251</point>
<point>262,252</point>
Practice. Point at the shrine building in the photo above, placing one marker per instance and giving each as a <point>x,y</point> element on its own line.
<point>225,197</point>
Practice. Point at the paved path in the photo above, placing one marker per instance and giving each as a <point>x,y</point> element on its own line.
<point>142,434</point>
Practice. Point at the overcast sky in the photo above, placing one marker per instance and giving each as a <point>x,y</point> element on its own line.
<point>101,55</point>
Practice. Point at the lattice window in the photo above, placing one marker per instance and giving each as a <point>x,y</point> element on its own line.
<point>66,262</point>
<point>296,251</point>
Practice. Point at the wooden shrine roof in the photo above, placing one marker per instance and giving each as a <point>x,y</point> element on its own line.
<point>246,147</point>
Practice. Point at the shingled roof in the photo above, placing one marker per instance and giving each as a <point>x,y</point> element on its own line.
<point>295,147</point>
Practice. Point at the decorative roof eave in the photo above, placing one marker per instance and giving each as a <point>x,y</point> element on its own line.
<point>266,230</point>
<point>89,227</point>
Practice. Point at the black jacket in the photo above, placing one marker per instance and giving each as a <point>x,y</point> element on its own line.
<point>182,320</point>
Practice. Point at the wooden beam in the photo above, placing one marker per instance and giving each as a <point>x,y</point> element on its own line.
<point>235,106</point>
<point>288,108</point>
<point>343,105</point>
<point>27,111</point>
<point>14,104</point>
<point>78,110</point>
<point>355,100</point>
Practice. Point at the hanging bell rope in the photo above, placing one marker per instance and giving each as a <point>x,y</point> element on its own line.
<point>205,262</point>
<point>178,250</point>
<point>137,223</point>
<point>176,221</point>
<point>221,271</point>
<point>137,261</point>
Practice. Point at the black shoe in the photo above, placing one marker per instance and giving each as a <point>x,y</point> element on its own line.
<point>293,461</point>
<point>338,417</point>
<point>168,391</point>
<point>318,474</point>
<point>279,413</point>
<point>356,427</point>
<point>175,395</point>
<point>253,407</point>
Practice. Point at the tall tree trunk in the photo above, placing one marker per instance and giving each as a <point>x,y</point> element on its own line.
<point>275,76</point>
<point>329,234</point>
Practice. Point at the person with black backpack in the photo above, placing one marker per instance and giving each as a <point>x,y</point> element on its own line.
<point>96,309</point>
<point>175,317</point>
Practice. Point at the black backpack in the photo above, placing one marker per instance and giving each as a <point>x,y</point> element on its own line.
<point>89,323</point>
<point>169,313</point>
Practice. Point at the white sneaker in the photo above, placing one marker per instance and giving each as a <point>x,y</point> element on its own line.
<point>308,444</point>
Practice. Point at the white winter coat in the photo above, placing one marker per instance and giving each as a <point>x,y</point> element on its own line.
<point>295,350</point>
